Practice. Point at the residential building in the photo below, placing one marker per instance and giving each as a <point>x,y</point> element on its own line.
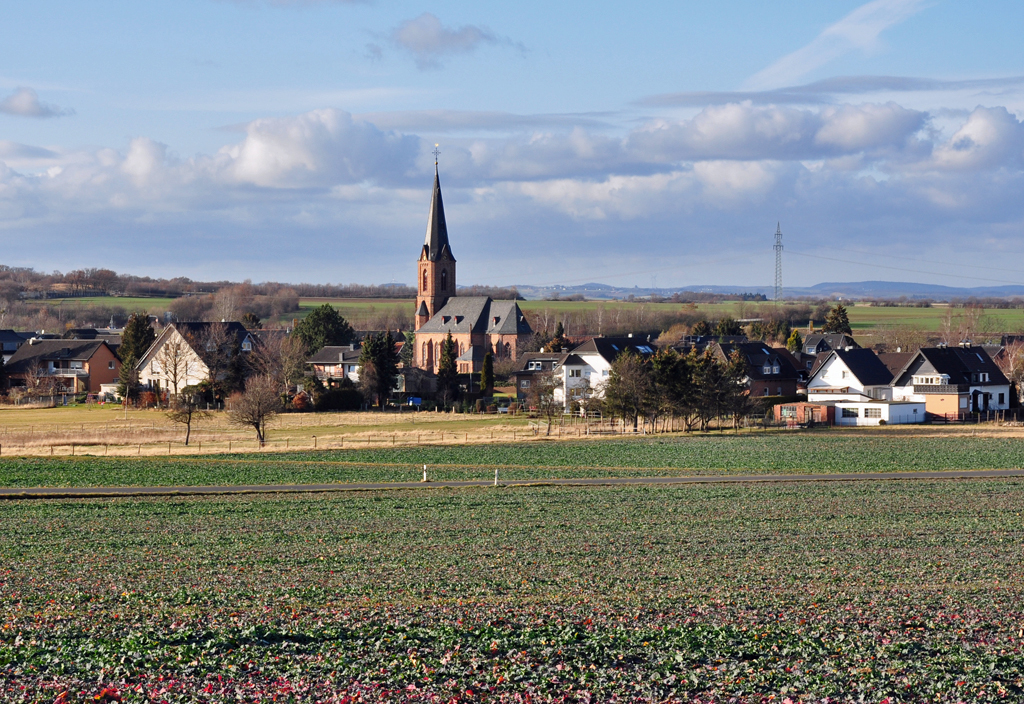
<point>584,371</point>
<point>535,365</point>
<point>334,363</point>
<point>854,374</point>
<point>184,354</point>
<point>877,412</point>
<point>816,343</point>
<point>952,380</point>
<point>769,373</point>
<point>10,341</point>
<point>63,366</point>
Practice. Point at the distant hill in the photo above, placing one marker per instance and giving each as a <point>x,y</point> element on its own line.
<point>852,290</point>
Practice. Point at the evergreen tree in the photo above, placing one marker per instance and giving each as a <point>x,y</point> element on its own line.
<point>735,399</point>
<point>136,338</point>
<point>558,341</point>
<point>322,328</point>
<point>629,392</point>
<point>251,321</point>
<point>487,374</point>
<point>728,326</point>
<point>447,372</point>
<point>795,342</point>
<point>408,349</point>
<point>128,381</point>
<point>837,321</point>
<point>673,382</point>
<point>378,367</point>
<point>701,328</point>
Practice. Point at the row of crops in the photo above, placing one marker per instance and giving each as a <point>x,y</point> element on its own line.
<point>757,454</point>
<point>806,593</point>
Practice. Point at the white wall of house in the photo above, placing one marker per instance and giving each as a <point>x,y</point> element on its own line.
<point>999,400</point>
<point>191,370</point>
<point>834,374</point>
<point>572,379</point>
<point>871,413</point>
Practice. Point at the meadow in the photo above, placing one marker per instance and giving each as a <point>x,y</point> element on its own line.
<point>902,592</point>
<point>760,453</point>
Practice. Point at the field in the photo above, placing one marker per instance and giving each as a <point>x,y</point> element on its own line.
<point>773,453</point>
<point>907,591</point>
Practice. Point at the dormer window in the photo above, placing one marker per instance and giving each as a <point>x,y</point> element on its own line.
<point>495,320</point>
<point>247,345</point>
<point>767,369</point>
<point>775,369</point>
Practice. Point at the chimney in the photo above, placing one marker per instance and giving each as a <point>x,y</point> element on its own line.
<point>351,347</point>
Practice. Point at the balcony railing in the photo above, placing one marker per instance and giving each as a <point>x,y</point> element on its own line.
<point>58,371</point>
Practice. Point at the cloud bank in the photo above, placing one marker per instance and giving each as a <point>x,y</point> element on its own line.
<point>25,102</point>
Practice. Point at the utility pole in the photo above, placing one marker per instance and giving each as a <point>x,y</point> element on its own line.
<point>778,262</point>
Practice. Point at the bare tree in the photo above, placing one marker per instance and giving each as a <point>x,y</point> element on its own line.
<point>186,409</point>
<point>542,397</point>
<point>177,362</point>
<point>281,357</point>
<point>1011,363</point>
<point>260,402</point>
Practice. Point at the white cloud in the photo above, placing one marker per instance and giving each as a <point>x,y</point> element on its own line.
<point>859,30</point>
<point>990,138</point>
<point>25,103</point>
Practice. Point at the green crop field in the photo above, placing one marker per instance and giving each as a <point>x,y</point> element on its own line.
<point>831,452</point>
<point>894,592</point>
<point>150,305</point>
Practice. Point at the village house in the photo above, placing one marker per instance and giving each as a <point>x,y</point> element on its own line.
<point>585,370</point>
<point>63,366</point>
<point>477,324</point>
<point>534,366</point>
<point>184,353</point>
<point>769,373</point>
<point>333,363</point>
<point>952,380</point>
<point>10,341</point>
<point>849,375</point>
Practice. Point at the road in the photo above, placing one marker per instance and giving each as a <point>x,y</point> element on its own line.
<point>102,491</point>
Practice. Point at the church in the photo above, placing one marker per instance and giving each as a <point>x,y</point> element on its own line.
<point>478,324</point>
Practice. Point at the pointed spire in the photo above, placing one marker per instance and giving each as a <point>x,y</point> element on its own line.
<point>437,229</point>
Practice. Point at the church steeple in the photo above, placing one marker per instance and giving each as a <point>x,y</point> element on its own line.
<point>437,229</point>
<point>435,280</point>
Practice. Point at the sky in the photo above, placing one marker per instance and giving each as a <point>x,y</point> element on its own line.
<point>640,144</point>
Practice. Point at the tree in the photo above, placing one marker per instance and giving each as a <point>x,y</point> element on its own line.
<point>542,397</point>
<point>558,342</point>
<point>447,373</point>
<point>282,357</point>
<point>728,326</point>
<point>701,328</point>
<point>795,343</point>
<point>251,321</point>
<point>260,402</point>
<point>408,349</point>
<point>378,367</point>
<point>629,392</point>
<point>128,382</point>
<point>707,385</point>
<point>673,383</point>
<point>186,409</point>
<point>837,321</point>
<point>3,374</point>
<point>177,362</point>
<point>735,398</point>
<point>487,374</point>
<point>136,338</point>
<point>322,328</point>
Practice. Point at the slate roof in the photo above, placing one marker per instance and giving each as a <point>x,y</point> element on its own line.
<point>959,363</point>
<point>195,331</point>
<point>10,340</point>
<point>475,353</point>
<point>866,366</point>
<point>436,241</point>
<point>334,354</point>
<point>895,361</point>
<point>478,314</point>
<point>833,341</point>
<point>611,347</point>
<point>553,357</point>
<point>29,356</point>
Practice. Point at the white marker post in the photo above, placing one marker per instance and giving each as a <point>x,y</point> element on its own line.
<point>495,476</point>
<point>424,472</point>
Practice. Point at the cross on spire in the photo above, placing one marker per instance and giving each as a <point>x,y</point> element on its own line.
<point>435,153</point>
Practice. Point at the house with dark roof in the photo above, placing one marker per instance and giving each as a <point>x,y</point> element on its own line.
<point>533,366</point>
<point>816,343</point>
<point>584,371</point>
<point>953,380</point>
<point>184,354</point>
<point>769,373</point>
<point>10,341</point>
<point>849,375</point>
<point>63,366</point>
<point>477,324</point>
<point>333,363</point>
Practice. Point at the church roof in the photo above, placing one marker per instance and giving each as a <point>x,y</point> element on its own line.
<point>478,314</point>
<point>436,241</point>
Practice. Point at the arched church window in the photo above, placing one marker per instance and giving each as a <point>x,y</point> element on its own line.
<point>508,350</point>
<point>424,281</point>
<point>444,280</point>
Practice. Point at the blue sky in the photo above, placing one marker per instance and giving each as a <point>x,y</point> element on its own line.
<point>580,141</point>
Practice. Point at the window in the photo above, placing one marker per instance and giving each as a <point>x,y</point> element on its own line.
<point>444,280</point>
<point>775,369</point>
<point>851,413</point>
<point>75,365</point>
<point>767,369</point>
<point>424,280</point>
<point>534,366</point>
<point>110,365</point>
<point>872,412</point>
<point>1002,398</point>
<point>845,374</point>
<point>576,373</point>
<point>524,384</point>
<point>788,412</point>
<point>766,391</point>
<point>604,372</point>
<point>247,345</point>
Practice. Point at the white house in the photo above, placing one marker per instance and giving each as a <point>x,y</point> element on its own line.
<point>865,412</point>
<point>849,375</point>
<point>585,371</point>
<point>182,353</point>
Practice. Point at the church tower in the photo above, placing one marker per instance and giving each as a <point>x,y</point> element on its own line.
<point>435,281</point>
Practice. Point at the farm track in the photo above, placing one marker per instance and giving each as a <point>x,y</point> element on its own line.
<point>97,492</point>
